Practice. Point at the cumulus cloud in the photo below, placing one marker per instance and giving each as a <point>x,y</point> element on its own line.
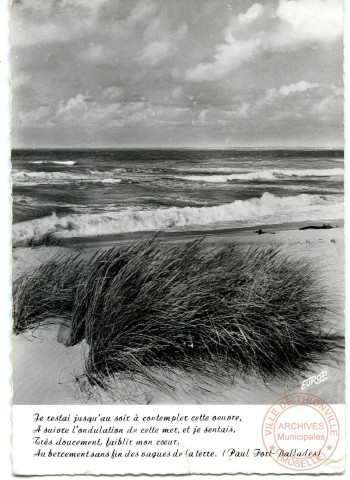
<point>251,14</point>
<point>300,100</point>
<point>330,105</point>
<point>286,90</point>
<point>311,20</point>
<point>290,101</point>
<point>242,111</point>
<point>82,110</point>
<point>78,103</point>
<point>229,56</point>
<point>292,25</point>
<point>157,50</point>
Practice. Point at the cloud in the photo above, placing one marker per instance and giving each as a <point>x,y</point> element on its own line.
<point>286,90</point>
<point>177,92</point>
<point>31,34</point>
<point>74,105</point>
<point>242,111</point>
<point>301,100</point>
<point>97,55</point>
<point>33,118</point>
<point>251,14</point>
<point>197,67</point>
<point>20,80</point>
<point>82,110</point>
<point>112,93</point>
<point>94,6</point>
<point>292,25</point>
<point>38,6</point>
<point>143,11</point>
<point>40,23</point>
<point>229,56</point>
<point>46,8</point>
<point>330,105</point>
<point>157,49</point>
<point>318,21</point>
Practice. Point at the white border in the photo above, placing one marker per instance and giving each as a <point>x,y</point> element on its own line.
<point>5,250</point>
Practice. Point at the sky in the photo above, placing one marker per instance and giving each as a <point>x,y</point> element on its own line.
<point>177,73</point>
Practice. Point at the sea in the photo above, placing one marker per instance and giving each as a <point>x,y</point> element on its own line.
<point>89,193</point>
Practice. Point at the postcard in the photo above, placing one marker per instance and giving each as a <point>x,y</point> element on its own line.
<point>178,237</point>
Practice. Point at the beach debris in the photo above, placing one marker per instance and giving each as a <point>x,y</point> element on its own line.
<point>261,232</point>
<point>317,227</point>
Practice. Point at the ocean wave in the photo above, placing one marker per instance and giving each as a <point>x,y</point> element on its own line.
<point>28,178</point>
<point>267,175</point>
<point>210,170</point>
<point>107,180</point>
<point>56,162</point>
<point>266,209</point>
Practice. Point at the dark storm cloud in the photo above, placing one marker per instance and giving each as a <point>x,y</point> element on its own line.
<point>185,73</point>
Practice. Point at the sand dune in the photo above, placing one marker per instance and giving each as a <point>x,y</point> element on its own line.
<point>47,372</point>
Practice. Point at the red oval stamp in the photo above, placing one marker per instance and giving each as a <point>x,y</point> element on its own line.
<point>300,431</point>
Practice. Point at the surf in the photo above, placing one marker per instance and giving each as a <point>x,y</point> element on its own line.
<point>270,175</point>
<point>56,162</point>
<point>268,207</point>
<point>30,178</point>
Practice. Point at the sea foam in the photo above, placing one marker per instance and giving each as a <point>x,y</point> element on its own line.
<point>66,162</point>
<point>266,175</point>
<point>28,178</point>
<point>266,209</point>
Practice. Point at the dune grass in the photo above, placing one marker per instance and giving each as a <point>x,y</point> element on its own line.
<point>48,239</point>
<point>216,311</point>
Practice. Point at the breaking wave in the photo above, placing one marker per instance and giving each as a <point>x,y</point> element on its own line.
<point>266,209</point>
<point>66,162</point>
<point>24,177</point>
<point>266,175</point>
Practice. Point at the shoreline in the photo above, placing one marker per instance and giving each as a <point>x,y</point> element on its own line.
<point>179,235</point>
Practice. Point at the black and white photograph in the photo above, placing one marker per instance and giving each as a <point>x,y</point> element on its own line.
<point>178,201</point>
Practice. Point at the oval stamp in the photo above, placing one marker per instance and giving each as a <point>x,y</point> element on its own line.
<point>300,431</point>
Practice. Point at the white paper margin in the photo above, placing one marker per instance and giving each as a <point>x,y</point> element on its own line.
<point>5,250</point>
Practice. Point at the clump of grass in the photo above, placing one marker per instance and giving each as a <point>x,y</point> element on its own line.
<point>47,239</point>
<point>219,311</point>
<point>46,292</point>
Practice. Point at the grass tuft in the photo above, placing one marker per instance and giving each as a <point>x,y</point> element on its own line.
<point>216,311</point>
<point>48,239</point>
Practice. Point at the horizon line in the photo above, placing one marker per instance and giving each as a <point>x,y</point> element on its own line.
<point>180,148</point>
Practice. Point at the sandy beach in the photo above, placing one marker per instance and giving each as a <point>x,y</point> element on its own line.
<point>47,372</point>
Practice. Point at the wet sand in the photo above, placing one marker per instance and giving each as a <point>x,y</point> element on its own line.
<point>47,372</point>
